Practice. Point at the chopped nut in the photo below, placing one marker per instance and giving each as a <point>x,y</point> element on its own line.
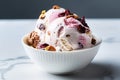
<point>75,16</point>
<point>72,15</point>
<point>29,41</point>
<point>42,15</point>
<point>43,12</point>
<point>33,39</point>
<point>56,7</point>
<point>50,48</point>
<point>68,16</point>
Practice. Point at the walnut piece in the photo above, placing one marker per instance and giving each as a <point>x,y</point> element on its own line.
<point>33,39</point>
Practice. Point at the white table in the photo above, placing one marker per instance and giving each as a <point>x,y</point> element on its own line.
<point>15,65</point>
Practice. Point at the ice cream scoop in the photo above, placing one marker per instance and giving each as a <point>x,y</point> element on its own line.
<point>63,30</point>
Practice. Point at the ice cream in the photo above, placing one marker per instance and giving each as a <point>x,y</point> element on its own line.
<point>58,29</point>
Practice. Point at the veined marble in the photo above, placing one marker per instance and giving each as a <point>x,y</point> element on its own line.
<point>15,65</point>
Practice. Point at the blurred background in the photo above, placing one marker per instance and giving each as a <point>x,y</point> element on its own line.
<point>30,9</point>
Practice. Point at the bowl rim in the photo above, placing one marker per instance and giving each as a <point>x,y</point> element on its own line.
<point>70,52</point>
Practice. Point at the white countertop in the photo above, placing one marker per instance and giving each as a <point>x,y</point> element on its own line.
<point>15,65</point>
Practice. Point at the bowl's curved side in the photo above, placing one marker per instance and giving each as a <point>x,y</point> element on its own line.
<point>55,62</point>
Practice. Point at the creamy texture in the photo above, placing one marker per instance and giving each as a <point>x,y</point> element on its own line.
<point>61,29</point>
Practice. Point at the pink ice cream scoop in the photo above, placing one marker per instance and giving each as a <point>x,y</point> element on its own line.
<point>63,30</point>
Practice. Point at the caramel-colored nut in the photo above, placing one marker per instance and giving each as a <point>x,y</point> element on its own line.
<point>29,41</point>
<point>43,12</point>
<point>42,16</point>
<point>75,16</point>
<point>33,39</point>
<point>50,48</point>
<point>68,16</point>
<point>56,7</point>
<point>35,43</point>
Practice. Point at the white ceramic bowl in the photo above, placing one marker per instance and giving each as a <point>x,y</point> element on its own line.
<point>61,62</point>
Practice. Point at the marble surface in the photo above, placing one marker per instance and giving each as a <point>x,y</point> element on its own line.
<point>15,65</point>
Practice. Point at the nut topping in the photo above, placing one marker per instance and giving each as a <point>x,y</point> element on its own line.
<point>50,48</point>
<point>42,15</point>
<point>56,7</point>
<point>33,39</point>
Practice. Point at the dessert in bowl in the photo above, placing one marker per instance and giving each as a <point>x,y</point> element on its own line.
<point>61,41</point>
